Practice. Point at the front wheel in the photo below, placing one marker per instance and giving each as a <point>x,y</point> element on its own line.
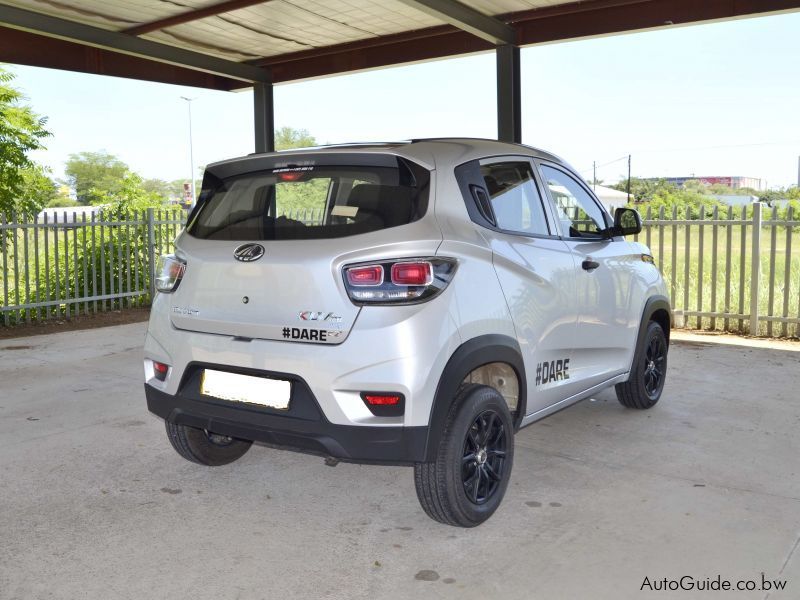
<point>466,482</point>
<point>204,447</point>
<point>646,382</point>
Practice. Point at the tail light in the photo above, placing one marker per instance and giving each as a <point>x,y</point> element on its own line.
<point>384,404</point>
<point>160,370</point>
<point>169,273</point>
<point>406,281</point>
<point>366,275</point>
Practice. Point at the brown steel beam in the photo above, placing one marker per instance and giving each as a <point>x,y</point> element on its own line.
<point>603,17</point>
<point>561,22</point>
<point>192,15</point>
<point>24,48</point>
<point>422,44</point>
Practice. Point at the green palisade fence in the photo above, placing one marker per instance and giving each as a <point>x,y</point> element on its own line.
<point>726,270</point>
<point>67,263</point>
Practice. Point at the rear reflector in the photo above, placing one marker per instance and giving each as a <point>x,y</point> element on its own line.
<point>385,404</point>
<point>369,275</point>
<point>160,370</point>
<point>412,273</point>
<point>382,400</point>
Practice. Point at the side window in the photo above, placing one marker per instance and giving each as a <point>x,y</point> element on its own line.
<point>579,214</point>
<point>514,197</point>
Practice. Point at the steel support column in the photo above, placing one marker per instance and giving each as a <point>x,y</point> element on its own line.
<point>264,117</point>
<point>509,103</point>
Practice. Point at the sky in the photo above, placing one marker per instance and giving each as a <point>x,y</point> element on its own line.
<point>712,99</point>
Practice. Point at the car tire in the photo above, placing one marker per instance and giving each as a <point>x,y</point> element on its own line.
<point>643,388</point>
<point>205,448</point>
<point>466,482</point>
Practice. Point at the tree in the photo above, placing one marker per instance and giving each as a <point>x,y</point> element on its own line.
<point>769,197</point>
<point>132,196</point>
<point>287,137</point>
<point>95,176</point>
<point>643,190</point>
<point>21,132</point>
<point>159,187</point>
<point>37,190</point>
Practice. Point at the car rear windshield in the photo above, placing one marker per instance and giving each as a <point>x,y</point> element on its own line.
<point>310,202</point>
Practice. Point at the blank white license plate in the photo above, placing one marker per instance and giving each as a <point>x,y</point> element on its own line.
<point>274,393</point>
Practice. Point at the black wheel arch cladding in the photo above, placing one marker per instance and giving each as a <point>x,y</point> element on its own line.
<point>473,353</point>
<point>658,309</point>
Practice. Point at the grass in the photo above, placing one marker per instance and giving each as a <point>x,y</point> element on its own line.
<point>700,288</point>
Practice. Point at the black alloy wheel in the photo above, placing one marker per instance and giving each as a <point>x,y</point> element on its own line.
<point>484,455</point>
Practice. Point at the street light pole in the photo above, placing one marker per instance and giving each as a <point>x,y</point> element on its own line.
<point>191,148</point>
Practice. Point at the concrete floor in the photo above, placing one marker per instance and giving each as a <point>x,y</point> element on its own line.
<point>94,503</point>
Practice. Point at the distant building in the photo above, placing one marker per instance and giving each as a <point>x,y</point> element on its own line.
<point>609,197</point>
<point>732,181</point>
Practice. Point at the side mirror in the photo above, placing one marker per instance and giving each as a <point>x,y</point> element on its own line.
<point>626,222</point>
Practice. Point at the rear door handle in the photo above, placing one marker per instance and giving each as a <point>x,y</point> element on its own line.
<point>589,265</point>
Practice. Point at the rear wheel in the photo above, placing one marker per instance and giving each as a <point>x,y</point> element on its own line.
<point>646,382</point>
<point>466,482</point>
<point>204,447</point>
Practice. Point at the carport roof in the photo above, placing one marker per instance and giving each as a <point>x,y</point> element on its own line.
<point>234,43</point>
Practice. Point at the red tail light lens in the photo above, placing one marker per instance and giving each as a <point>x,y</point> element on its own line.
<point>290,176</point>
<point>407,281</point>
<point>412,273</point>
<point>365,276</point>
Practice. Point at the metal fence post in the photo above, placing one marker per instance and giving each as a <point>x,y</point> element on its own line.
<point>151,250</point>
<point>755,269</point>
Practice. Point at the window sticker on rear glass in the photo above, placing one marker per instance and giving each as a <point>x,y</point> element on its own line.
<point>344,211</point>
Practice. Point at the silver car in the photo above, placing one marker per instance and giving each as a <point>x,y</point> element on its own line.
<point>413,303</point>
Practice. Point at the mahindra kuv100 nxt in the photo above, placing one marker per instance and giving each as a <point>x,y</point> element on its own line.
<point>413,303</point>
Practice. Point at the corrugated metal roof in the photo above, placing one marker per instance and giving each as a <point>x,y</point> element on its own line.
<point>307,38</point>
<point>268,29</point>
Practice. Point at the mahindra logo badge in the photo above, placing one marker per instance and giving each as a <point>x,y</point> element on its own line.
<point>248,252</point>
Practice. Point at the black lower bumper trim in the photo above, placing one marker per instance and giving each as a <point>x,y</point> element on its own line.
<point>362,444</point>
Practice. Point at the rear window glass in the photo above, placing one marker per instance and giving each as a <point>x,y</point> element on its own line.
<point>310,202</point>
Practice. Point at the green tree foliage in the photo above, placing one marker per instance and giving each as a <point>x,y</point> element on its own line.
<point>61,201</point>
<point>37,190</point>
<point>683,201</point>
<point>22,183</point>
<point>643,190</point>
<point>95,176</point>
<point>132,196</point>
<point>288,137</point>
<point>770,197</point>
<point>159,187</point>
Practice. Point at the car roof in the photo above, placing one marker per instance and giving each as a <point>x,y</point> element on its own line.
<point>429,152</point>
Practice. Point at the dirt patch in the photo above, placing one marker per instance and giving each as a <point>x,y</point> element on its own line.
<point>102,319</point>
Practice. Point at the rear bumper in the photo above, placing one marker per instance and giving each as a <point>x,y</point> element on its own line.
<point>303,428</point>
